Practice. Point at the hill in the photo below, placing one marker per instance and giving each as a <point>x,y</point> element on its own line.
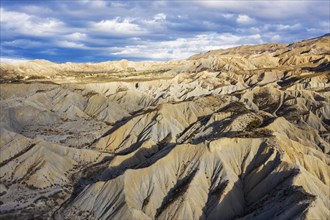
<point>241,133</point>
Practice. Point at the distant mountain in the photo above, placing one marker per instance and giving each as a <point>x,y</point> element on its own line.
<point>326,35</point>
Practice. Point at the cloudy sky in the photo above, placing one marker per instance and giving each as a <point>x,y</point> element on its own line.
<point>99,30</point>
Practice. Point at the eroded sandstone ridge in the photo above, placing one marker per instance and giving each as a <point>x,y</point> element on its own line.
<point>241,133</point>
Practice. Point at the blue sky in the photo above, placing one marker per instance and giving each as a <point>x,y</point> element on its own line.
<point>97,30</point>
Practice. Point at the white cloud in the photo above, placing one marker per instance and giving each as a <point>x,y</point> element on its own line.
<point>228,15</point>
<point>18,23</point>
<point>181,48</point>
<point>12,60</point>
<point>13,16</point>
<point>156,24</point>
<point>154,30</point>
<point>286,27</point>
<point>254,30</point>
<point>49,51</point>
<point>76,36</point>
<point>23,43</point>
<point>276,38</point>
<point>70,44</point>
<point>160,16</point>
<point>244,20</point>
<point>118,26</point>
<point>94,3</point>
<point>281,10</point>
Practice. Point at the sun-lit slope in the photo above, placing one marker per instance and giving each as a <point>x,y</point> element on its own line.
<point>225,178</point>
<point>266,165</point>
<point>241,133</point>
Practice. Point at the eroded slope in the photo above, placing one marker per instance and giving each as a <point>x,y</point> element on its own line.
<point>241,133</point>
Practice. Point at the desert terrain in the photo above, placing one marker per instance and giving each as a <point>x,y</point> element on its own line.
<point>239,133</point>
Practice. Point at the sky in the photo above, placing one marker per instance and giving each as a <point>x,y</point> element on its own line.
<point>99,30</point>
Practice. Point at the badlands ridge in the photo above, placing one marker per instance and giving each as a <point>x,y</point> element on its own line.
<point>241,133</point>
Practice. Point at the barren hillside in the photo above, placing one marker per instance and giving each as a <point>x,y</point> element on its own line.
<point>241,133</point>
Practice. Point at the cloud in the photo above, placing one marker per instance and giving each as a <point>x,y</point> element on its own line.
<point>160,17</point>
<point>244,20</point>
<point>275,10</point>
<point>71,44</point>
<point>276,38</point>
<point>76,36</point>
<point>118,26</point>
<point>155,24</point>
<point>49,51</point>
<point>13,17</point>
<point>23,43</point>
<point>228,15</point>
<point>12,60</point>
<point>94,3</point>
<point>157,30</point>
<point>181,48</point>
<point>285,27</point>
<point>15,23</point>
